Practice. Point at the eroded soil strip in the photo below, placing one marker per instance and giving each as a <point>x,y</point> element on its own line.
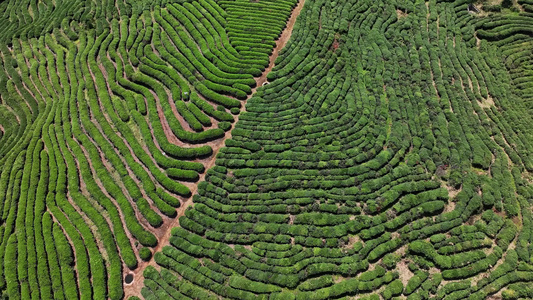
<point>134,289</point>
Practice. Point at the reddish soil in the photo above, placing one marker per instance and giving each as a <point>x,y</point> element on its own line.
<point>335,45</point>
<point>134,289</point>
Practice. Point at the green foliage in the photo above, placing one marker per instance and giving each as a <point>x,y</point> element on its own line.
<point>390,136</point>
<point>145,254</point>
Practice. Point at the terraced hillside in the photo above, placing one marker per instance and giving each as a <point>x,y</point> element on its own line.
<point>106,131</point>
<point>385,153</point>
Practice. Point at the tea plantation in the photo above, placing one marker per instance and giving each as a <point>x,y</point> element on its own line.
<point>266,149</point>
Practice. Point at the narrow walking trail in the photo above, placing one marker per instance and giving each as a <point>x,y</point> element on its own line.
<point>134,289</point>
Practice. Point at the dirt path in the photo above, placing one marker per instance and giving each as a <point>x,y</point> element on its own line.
<point>134,289</point>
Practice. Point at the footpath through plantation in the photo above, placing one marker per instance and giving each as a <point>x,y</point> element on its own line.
<point>135,289</point>
<point>266,149</point>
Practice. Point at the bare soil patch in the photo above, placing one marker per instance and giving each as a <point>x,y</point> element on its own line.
<point>401,14</point>
<point>452,192</point>
<point>487,103</point>
<point>404,272</point>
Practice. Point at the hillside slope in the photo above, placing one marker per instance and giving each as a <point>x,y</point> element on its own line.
<point>386,152</point>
